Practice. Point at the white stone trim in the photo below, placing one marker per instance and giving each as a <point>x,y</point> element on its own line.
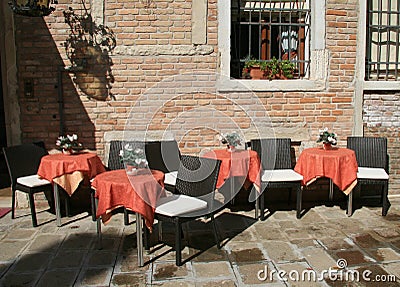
<point>199,22</point>
<point>163,50</point>
<point>97,11</point>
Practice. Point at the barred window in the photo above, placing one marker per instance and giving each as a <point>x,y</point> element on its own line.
<point>383,30</point>
<point>270,30</point>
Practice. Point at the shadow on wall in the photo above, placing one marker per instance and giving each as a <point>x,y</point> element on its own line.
<point>53,105</point>
<point>87,47</point>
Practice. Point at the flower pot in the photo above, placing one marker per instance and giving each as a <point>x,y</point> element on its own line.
<point>67,151</point>
<point>231,148</point>
<point>327,146</point>
<point>256,73</point>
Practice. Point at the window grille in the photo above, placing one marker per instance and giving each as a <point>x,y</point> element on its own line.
<point>267,29</point>
<point>383,29</point>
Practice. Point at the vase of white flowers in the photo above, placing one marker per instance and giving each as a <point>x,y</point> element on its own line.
<point>232,140</point>
<point>68,144</point>
<point>327,138</point>
<point>134,159</point>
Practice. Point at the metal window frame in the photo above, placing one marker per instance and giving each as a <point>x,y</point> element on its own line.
<point>379,64</point>
<point>256,20</point>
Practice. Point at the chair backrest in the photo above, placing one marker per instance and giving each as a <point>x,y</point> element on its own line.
<point>197,176</point>
<point>114,160</point>
<point>23,160</point>
<point>370,151</point>
<point>275,153</point>
<point>163,155</point>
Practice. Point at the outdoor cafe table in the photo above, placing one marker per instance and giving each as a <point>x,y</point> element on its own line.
<point>244,164</point>
<point>138,193</point>
<point>68,171</point>
<point>337,164</point>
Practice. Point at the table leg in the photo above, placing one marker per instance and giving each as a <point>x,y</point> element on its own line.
<point>98,226</point>
<point>139,229</point>
<point>350,204</point>
<point>330,190</point>
<point>256,216</point>
<point>57,204</point>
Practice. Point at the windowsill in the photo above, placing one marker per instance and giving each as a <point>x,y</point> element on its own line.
<point>381,85</point>
<point>235,85</point>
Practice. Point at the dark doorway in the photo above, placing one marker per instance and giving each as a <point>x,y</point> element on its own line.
<point>4,178</point>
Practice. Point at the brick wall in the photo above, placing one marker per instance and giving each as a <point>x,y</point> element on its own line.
<point>153,43</point>
<point>381,118</point>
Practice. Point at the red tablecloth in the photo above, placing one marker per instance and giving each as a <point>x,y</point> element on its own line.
<point>138,193</point>
<point>244,163</point>
<point>338,164</point>
<point>69,170</point>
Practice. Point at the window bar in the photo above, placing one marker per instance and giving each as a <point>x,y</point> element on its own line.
<point>388,29</point>
<point>269,54</point>
<point>259,31</point>
<point>249,50</point>
<point>379,48</point>
<point>369,38</point>
<point>280,32</point>
<point>238,43</point>
<point>396,72</point>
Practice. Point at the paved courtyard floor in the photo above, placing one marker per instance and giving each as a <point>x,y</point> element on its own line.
<point>252,253</point>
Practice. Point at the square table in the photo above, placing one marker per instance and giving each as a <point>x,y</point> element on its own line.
<point>337,164</point>
<point>136,192</point>
<point>68,171</point>
<point>244,164</point>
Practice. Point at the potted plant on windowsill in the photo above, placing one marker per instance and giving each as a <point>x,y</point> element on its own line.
<point>276,69</point>
<point>273,69</point>
<point>253,69</point>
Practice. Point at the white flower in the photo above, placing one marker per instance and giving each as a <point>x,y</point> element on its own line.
<point>70,138</point>
<point>138,151</point>
<point>128,147</point>
<point>121,153</point>
<point>74,137</point>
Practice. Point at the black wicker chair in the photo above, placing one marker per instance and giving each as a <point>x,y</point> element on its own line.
<point>372,160</point>
<point>194,198</point>
<point>23,163</point>
<point>164,156</point>
<point>114,160</point>
<point>275,155</point>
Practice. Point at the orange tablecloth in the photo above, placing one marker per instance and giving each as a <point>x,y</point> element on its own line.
<point>138,193</point>
<point>338,164</point>
<point>245,163</point>
<point>69,170</point>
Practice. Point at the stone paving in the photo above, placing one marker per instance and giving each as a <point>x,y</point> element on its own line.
<point>68,255</point>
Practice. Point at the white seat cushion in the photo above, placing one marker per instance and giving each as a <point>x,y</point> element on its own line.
<point>170,177</point>
<point>32,180</point>
<point>371,173</point>
<point>281,175</point>
<point>178,204</point>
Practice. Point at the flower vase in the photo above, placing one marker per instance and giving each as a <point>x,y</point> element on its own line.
<point>131,170</point>
<point>67,151</point>
<point>327,146</point>
<point>231,148</point>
